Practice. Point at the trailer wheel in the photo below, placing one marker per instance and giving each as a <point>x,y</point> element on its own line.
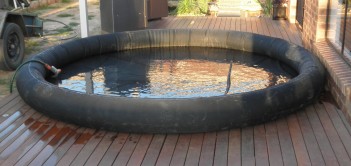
<point>11,47</point>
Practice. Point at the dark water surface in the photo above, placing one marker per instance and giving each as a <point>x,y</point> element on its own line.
<point>174,72</point>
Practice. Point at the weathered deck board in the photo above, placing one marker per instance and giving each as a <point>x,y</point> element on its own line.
<point>316,135</point>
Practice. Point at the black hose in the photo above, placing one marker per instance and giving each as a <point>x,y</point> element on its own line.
<point>228,78</point>
<point>51,68</point>
<point>68,38</point>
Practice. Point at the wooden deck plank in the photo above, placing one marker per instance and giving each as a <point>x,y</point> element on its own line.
<point>264,27</point>
<point>248,25</point>
<point>52,145</point>
<point>286,145</point>
<point>13,103</point>
<point>258,26</point>
<point>154,150</point>
<point>334,139</point>
<point>207,23</point>
<point>208,149</point>
<point>17,133</point>
<point>182,23</point>
<point>261,154</point>
<point>243,25</point>
<point>100,150</point>
<point>140,150</point>
<point>77,146</point>
<point>341,116</point>
<point>8,99</point>
<point>228,23</point>
<point>194,151</point>
<point>298,141</point>
<point>310,140</point>
<point>222,23</point>
<point>247,147</point>
<point>13,124</point>
<point>254,27</point>
<point>270,30</point>
<point>294,32</point>
<point>221,151</point>
<point>17,111</point>
<point>114,149</point>
<point>193,23</point>
<point>201,22</point>
<point>181,150</point>
<point>127,150</point>
<point>234,149</point>
<point>232,24</point>
<point>322,139</point>
<point>280,31</point>
<point>167,150</point>
<point>340,126</point>
<point>23,144</point>
<point>283,28</point>
<point>237,24</point>
<point>88,149</point>
<point>59,152</point>
<point>172,24</point>
<point>218,23</point>
<point>41,144</point>
<point>273,145</point>
<point>13,113</point>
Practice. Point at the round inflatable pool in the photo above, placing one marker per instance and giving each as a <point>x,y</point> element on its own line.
<point>171,115</point>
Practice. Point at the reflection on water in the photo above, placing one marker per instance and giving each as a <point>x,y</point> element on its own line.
<point>174,72</point>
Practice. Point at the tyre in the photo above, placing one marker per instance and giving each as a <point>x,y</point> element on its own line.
<point>11,47</point>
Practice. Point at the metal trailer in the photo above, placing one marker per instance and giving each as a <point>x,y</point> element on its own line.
<point>14,26</point>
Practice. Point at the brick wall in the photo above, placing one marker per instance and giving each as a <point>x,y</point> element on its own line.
<point>314,38</point>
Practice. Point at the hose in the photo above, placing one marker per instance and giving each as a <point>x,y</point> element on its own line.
<point>228,78</point>
<point>53,69</point>
<point>68,38</point>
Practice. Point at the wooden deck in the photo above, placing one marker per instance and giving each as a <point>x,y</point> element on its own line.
<point>317,135</point>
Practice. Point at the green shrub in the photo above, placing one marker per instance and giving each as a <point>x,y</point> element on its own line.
<point>267,6</point>
<point>192,7</point>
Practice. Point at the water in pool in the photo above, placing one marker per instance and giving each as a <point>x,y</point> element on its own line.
<point>173,72</point>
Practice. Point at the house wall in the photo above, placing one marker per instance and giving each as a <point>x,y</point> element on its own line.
<point>314,35</point>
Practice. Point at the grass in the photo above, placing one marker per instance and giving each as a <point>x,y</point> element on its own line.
<point>4,81</point>
<point>31,46</point>
<point>65,15</point>
<point>73,24</point>
<point>64,29</point>
<point>47,7</point>
<point>65,1</point>
<point>90,17</point>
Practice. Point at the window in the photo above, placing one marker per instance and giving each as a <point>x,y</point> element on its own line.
<point>339,28</point>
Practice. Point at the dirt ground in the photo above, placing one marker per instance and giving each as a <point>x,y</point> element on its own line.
<point>55,32</point>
